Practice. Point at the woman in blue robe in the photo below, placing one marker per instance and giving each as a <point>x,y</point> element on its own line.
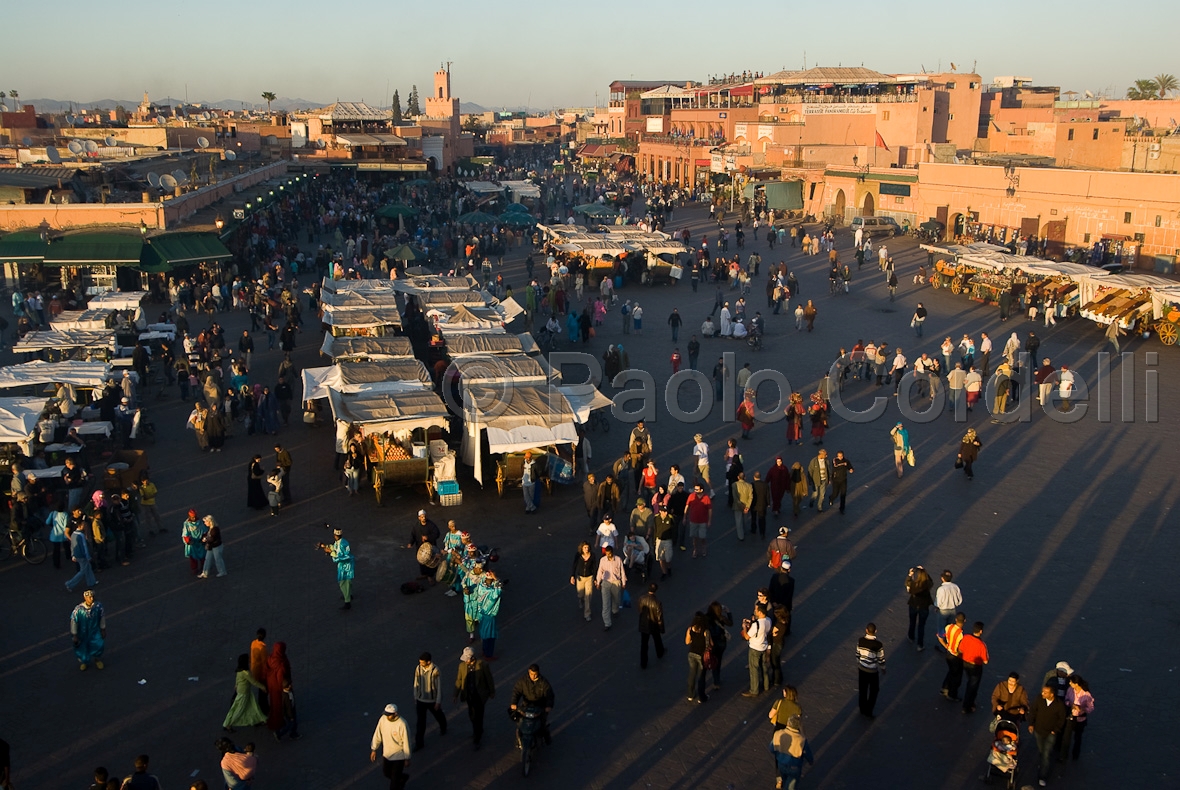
<point>488,601</point>
<point>88,627</point>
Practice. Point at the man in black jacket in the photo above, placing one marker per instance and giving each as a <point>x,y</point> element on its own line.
<point>534,689</point>
<point>590,500</point>
<point>651,624</point>
<point>1046,720</point>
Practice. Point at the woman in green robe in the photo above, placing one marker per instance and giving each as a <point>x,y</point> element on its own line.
<point>244,712</point>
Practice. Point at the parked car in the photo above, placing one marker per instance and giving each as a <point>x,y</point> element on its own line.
<point>876,227</point>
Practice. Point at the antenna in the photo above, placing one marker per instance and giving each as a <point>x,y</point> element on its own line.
<point>153,180</point>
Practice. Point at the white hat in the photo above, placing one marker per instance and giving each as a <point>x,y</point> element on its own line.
<point>467,654</point>
<point>390,709</point>
<point>1064,667</point>
<point>421,512</point>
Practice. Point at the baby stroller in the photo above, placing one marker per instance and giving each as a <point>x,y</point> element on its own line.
<point>637,557</point>
<point>1002,759</point>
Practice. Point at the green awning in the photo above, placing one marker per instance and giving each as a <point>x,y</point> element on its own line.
<point>179,249</point>
<point>780,195</point>
<point>22,247</point>
<point>94,249</point>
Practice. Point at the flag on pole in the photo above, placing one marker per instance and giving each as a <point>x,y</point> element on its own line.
<point>881,142</point>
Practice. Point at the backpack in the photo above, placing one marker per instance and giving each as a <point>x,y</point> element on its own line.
<point>776,559</point>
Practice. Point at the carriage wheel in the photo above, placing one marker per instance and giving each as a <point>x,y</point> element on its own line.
<point>1168,332</point>
<point>957,286</point>
<point>936,282</point>
<point>378,484</point>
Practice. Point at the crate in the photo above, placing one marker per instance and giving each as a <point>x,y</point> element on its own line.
<point>447,487</point>
<point>447,500</point>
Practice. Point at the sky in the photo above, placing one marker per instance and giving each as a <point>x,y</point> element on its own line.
<point>546,55</point>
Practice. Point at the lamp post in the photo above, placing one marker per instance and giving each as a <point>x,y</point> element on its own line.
<point>219,223</point>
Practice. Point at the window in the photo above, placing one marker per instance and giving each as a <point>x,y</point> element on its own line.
<point>899,199</point>
<point>1126,218</point>
<point>972,85</point>
<point>950,86</point>
<point>1031,132</point>
<point>1070,135</point>
<point>1086,239</point>
<point>951,117</point>
<point>811,194</point>
<point>1095,134</point>
<point>1158,220</point>
<point>885,115</point>
<point>1140,237</point>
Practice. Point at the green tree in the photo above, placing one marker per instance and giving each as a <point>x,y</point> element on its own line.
<point>1165,84</point>
<point>396,110</point>
<point>268,97</point>
<point>413,109</point>
<point>3,96</point>
<point>1143,90</point>
<point>15,94</point>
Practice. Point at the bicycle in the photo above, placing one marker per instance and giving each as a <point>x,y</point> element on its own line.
<point>598,420</point>
<point>31,547</point>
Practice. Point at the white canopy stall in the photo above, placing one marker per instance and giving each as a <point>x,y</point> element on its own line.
<point>18,421</point>
<point>355,300</point>
<point>94,342</point>
<point>480,343</point>
<point>91,318</point>
<point>389,347</point>
<point>362,323</point>
<point>379,375</point>
<point>79,374</point>
<point>453,319</point>
<point>118,300</point>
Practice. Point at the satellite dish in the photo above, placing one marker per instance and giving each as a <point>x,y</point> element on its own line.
<point>70,119</point>
<point>179,176</point>
<point>75,147</point>
<point>90,146</point>
<point>111,141</point>
<point>322,143</point>
<point>202,142</point>
<point>52,155</point>
<point>205,116</point>
<point>1089,94</point>
<point>230,156</point>
<point>153,179</point>
<point>167,182</point>
<point>953,67</point>
<point>28,141</point>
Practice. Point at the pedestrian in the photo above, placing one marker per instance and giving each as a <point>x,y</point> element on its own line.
<point>666,527</point>
<point>1009,699</point>
<point>284,462</point>
<point>651,624</point>
<point>80,554</point>
<point>193,536</point>
<point>255,492</point>
<point>610,579</point>
<point>784,708</point>
<point>1112,334</point>
<point>778,477</point>
<point>951,637</point>
<point>918,585</point>
<point>870,660</point>
<point>841,468</point>
<point>88,631</point>
<point>694,351</point>
<point>969,452</point>
<point>743,500</point>
<point>675,359</point>
<point>57,520</point>
<point>809,314</point>
<point>141,779</point>
<point>474,685</point>
<point>973,651</point>
<point>278,677</point>
<point>700,451</point>
<point>213,549</point>
<point>1079,703</point>
<point>779,630</point>
<point>799,317</point>
<point>391,738</point>
<point>244,710</point>
<point>238,768</point>
<point>528,482</point>
<point>582,577</point>
<point>487,598</point>
<point>698,511</point>
<point>948,597</point>
<point>718,620</point>
<point>341,554</point>
<point>902,452</point>
<point>757,633</point>
<point>675,321</point>
<point>799,487</point>
<point>1046,720</point>
<point>820,472</point>
<point>700,645</point>
<point>147,504</point>
<point>607,533</point>
<point>590,499</point>
<point>427,699</point>
<point>919,320</point>
<point>759,506</point>
<point>790,749</point>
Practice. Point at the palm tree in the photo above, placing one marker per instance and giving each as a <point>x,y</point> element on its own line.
<point>15,95</point>
<point>1143,90</point>
<point>3,96</point>
<point>268,97</point>
<point>1165,84</point>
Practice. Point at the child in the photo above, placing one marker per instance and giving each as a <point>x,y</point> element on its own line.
<point>290,718</point>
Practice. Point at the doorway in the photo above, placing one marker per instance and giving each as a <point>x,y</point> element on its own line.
<point>869,205</point>
<point>841,203</point>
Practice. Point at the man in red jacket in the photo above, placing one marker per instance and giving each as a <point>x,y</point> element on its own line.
<point>698,511</point>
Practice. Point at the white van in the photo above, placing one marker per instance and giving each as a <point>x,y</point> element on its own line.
<point>875,227</point>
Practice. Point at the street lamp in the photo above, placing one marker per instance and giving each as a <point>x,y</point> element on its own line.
<point>143,228</point>
<point>219,222</point>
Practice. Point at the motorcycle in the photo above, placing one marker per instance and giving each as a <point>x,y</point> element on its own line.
<point>528,734</point>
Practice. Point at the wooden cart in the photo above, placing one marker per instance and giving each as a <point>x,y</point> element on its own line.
<point>407,472</point>
<point>1168,327</point>
<point>510,467</point>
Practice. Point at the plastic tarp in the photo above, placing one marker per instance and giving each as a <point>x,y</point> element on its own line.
<point>80,374</point>
<point>356,286</point>
<point>413,285</point>
<point>522,189</point>
<point>508,370</point>
<point>392,347</point>
<point>584,399</point>
<point>353,300</point>
<point>526,437</point>
<point>509,309</point>
<point>515,417</point>
<point>92,318</point>
<point>118,300</point>
<point>380,412</point>
<point>66,339</point>
<point>382,375</point>
<point>363,318</point>
<point>18,420</point>
<point>431,297</point>
<point>1042,267</point>
<point>480,343</point>
<point>466,318</point>
<point>484,187</point>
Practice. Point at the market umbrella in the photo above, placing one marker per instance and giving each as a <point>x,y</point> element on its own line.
<point>515,219</point>
<point>403,252</point>
<point>518,208</point>
<point>478,218</point>
<point>596,210</point>
<point>394,210</point>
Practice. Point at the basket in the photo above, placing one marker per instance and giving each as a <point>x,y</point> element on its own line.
<point>447,500</point>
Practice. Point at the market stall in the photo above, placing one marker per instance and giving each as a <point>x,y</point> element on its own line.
<point>73,372</point>
<point>56,345</point>
<point>456,319</point>
<point>363,323</point>
<point>378,375</point>
<point>118,300</point>
<point>328,285</point>
<point>19,418</point>
<point>358,300</point>
<point>401,434</point>
<point>90,319</point>
<point>481,343</point>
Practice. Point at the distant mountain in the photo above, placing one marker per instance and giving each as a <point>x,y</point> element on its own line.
<point>281,104</point>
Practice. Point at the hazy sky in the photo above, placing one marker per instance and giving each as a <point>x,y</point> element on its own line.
<point>552,54</point>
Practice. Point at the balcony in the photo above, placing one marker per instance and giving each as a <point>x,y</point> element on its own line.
<point>824,98</point>
<point>681,140</point>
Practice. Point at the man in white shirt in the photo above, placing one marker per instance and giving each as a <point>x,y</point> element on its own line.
<point>758,637</point>
<point>700,451</point>
<point>899,366</point>
<point>948,598</point>
<point>955,382</point>
<point>674,478</point>
<point>393,740</point>
<point>608,533</point>
<point>985,353</point>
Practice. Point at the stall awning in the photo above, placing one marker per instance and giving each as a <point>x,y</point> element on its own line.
<point>18,419</point>
<point>508,371</point>
<point>411,285</point>
<point>357,286</point>
<point>22,247</point>
<point>350,300</point>
<point>80,374</point>
<point>584,399</point>
<point>392,412</point>
<point>476,343</point>
<point>92,319</point>
<point>94,249</point>
<point>97,340</point>
<point>361,319</point>
<point>435,297</point>
<point>455,319</point>
<point>526,437</point>
<point>118,300</point>
<point>392,347</point>
<point>181,249</point>
<point>379,375</point>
